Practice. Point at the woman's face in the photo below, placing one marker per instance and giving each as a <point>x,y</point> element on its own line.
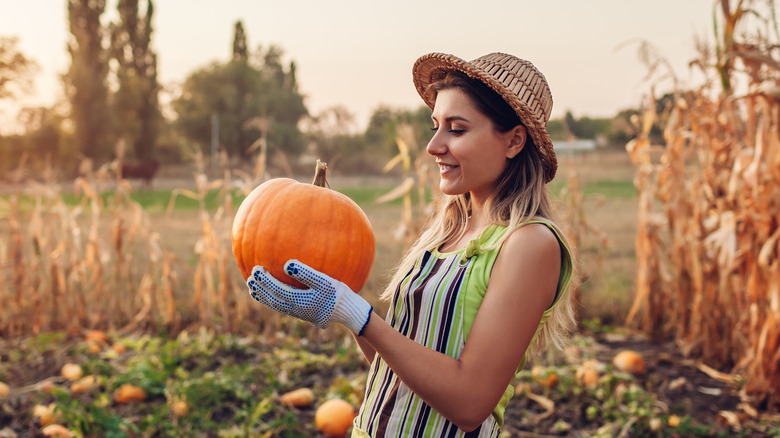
<point>470,153</point>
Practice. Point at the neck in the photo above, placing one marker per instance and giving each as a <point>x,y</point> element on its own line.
<point>479,218</point>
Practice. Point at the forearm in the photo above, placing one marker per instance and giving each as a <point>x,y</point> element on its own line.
<point>365,347</point>
<point>444,383</point>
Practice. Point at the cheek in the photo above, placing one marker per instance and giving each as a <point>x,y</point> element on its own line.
<point>491,161</point>
<point>494,169</point>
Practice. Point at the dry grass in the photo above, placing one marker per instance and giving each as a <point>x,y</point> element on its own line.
<point>109,264</point>
<point>105,264</point>
<point>114,265</point>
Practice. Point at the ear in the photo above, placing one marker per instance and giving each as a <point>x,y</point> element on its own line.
<point>517,138</point>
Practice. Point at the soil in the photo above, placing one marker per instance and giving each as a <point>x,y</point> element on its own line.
<point>712,406</point>
<point>711,400</point>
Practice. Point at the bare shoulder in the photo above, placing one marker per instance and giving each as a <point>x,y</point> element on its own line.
<point>533,240</point>
<point>529,265</point>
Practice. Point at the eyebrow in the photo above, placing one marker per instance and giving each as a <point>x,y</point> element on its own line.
<point>450,119</point>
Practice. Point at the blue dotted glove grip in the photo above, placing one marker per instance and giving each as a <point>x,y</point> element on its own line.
<point>325,299</point>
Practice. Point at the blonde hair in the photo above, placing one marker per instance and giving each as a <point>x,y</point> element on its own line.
<point>520,196</point>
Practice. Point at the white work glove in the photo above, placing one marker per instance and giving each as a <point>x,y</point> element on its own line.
<point>326,300</point>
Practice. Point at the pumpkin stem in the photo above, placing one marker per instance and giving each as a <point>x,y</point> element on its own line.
<point>319,174</point>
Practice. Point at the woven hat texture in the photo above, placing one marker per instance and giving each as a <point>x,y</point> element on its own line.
<point>521,85</point>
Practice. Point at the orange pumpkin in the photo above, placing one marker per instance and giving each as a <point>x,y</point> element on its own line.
<point>299,398</point>
<point>128,393</point>
<point>334,418</point>
<point>629,361</point>
<point>284,219</point>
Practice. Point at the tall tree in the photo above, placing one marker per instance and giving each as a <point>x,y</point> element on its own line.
<point>136,102</point>
<point>16,70</point>
<point>240,52</point>
<point>86,84</point>
<point>385,121</point>
<point>242,78</point>
<point>237,92</point>
<point>279,94</point>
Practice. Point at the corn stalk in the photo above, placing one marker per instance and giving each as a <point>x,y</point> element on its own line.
<point>416,176</point>
<point>707,248</point>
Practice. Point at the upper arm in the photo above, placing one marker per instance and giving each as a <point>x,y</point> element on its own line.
<point>523,284</point>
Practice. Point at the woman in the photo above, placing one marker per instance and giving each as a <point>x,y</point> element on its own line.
<point>485,283</point>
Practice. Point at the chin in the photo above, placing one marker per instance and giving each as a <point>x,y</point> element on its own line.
<point>451,191</point>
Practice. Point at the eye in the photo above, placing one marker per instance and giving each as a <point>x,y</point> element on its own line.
<point>457,132</point>
<point>435,128</point>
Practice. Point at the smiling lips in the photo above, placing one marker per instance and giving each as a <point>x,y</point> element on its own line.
<point>445,167</point>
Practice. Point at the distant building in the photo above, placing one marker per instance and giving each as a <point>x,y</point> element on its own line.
<point>575,145</point>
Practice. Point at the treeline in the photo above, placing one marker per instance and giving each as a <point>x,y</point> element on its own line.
<point>115,104</point>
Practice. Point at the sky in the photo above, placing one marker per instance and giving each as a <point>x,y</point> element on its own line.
<point>359,53</point>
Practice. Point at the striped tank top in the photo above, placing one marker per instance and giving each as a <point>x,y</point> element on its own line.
<point>435,305</point>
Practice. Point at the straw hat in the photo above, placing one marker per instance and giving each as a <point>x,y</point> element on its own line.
<point>521,85</point>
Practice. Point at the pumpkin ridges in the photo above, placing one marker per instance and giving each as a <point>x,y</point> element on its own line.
<point>340,210</point>
<point>314,213</point>
<point>362,240</point>
<point>352,252</point>
<point>337,216</point>
<point>334,212</point>
<point>239,230</point>
<point>258,205</point>
<point>320,214</point>
<point>242,247</point>
<point>356,252</point>
<point>278,239</point>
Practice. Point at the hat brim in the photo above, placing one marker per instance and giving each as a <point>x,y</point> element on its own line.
<point>433,67</point>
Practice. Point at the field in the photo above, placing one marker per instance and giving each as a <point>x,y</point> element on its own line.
<point>230,377</point>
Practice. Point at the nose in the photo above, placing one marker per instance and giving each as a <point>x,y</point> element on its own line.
<point>436,146</point>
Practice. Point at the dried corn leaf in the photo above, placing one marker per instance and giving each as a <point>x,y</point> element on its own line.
<point>393,162</point>
<point>547,404</point>
<point>402,190</point>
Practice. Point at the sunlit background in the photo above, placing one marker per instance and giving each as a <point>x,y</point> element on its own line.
<point>359,54</point>
<point>123,313</point>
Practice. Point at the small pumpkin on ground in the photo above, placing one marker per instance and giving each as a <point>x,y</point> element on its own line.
<point>299,398</point>
<point>546,377</point>
<point>45,414</point>
<point>180,407</point>
<point>629,361</point>
<point>57,431</point>
<point>96,336</point>
<point>83,385</point>
<point>334,417</point>
<point>72,371</point>
<point>128,393</point>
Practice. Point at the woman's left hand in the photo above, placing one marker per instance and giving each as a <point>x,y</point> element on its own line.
<point>326,300</point>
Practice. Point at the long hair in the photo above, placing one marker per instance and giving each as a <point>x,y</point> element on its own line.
<point>520,196</point>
